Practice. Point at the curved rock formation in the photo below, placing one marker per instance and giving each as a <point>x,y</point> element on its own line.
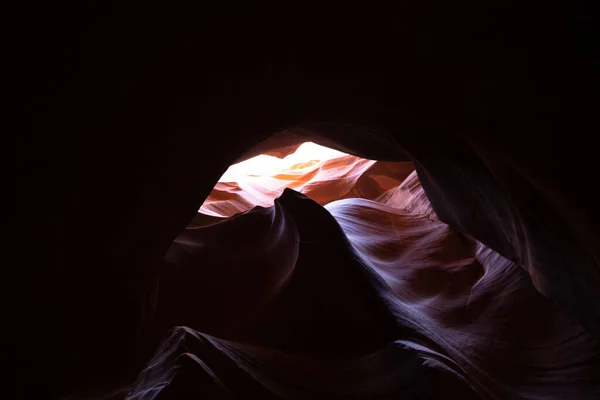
<point>125,118</point>
<point>340,302</point>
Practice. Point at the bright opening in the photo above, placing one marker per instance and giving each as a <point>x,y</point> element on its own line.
<point>321,173</point>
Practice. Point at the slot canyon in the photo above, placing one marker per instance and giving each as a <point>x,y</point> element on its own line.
<point>303,202</point>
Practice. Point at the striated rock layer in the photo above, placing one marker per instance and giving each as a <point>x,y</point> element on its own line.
<point>353,298</point>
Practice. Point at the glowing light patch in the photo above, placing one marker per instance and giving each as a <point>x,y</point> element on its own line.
<point>305,156</point>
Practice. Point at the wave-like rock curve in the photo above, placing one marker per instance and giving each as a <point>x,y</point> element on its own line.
<point>357,299</point>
